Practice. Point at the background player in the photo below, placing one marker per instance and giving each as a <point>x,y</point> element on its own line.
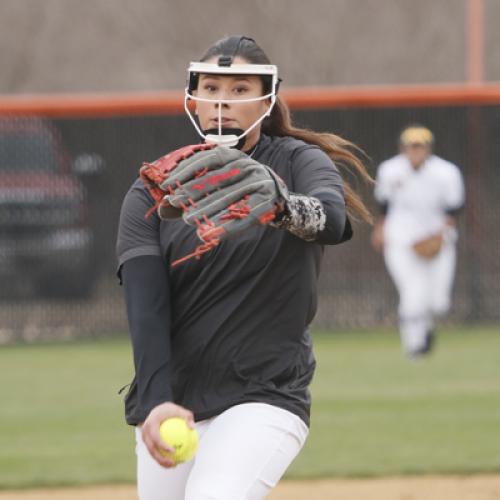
<point>419,195</point>
<point>224,340</point>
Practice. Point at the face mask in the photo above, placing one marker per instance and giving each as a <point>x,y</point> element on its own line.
<point>226,136</point>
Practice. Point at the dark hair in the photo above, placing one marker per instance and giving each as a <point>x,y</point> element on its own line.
<point>243,46</point>
<point>343,152</point>
<point>237,45</point>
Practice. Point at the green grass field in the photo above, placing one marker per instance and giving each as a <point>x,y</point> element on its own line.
<point>374,412</point>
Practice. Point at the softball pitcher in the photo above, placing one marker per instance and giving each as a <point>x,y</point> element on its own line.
<point>220,327</point>
<point>420,195</point>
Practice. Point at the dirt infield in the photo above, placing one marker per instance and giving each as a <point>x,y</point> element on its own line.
<point>405,488</point>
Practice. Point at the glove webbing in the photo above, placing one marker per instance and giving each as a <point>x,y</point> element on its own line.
<point>153,174</point>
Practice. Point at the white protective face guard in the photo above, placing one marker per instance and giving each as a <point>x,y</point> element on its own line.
<point>235,69</point>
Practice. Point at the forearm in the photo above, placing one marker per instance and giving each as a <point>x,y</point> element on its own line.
<point>147,303</point>
<point>450,221</point>
<point>377,236</point>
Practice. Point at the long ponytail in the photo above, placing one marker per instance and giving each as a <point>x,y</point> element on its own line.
<point>341,151</point>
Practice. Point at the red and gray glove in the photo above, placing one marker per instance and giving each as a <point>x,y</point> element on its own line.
<point>218,190</point>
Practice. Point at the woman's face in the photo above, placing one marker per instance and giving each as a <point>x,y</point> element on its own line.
<point>416,153</point>
<point>237,115</point>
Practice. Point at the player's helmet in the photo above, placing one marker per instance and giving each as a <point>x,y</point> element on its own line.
<point>225,66</point>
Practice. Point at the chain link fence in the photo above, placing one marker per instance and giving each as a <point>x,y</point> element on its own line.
<point>62,182</point>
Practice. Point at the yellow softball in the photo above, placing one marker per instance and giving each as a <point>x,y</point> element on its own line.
<point>176,433</point>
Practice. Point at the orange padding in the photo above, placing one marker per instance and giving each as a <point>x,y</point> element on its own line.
<point>171,102</point>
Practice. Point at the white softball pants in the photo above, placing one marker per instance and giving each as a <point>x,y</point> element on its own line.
<point>242,454</point>
<point>424,286</point>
